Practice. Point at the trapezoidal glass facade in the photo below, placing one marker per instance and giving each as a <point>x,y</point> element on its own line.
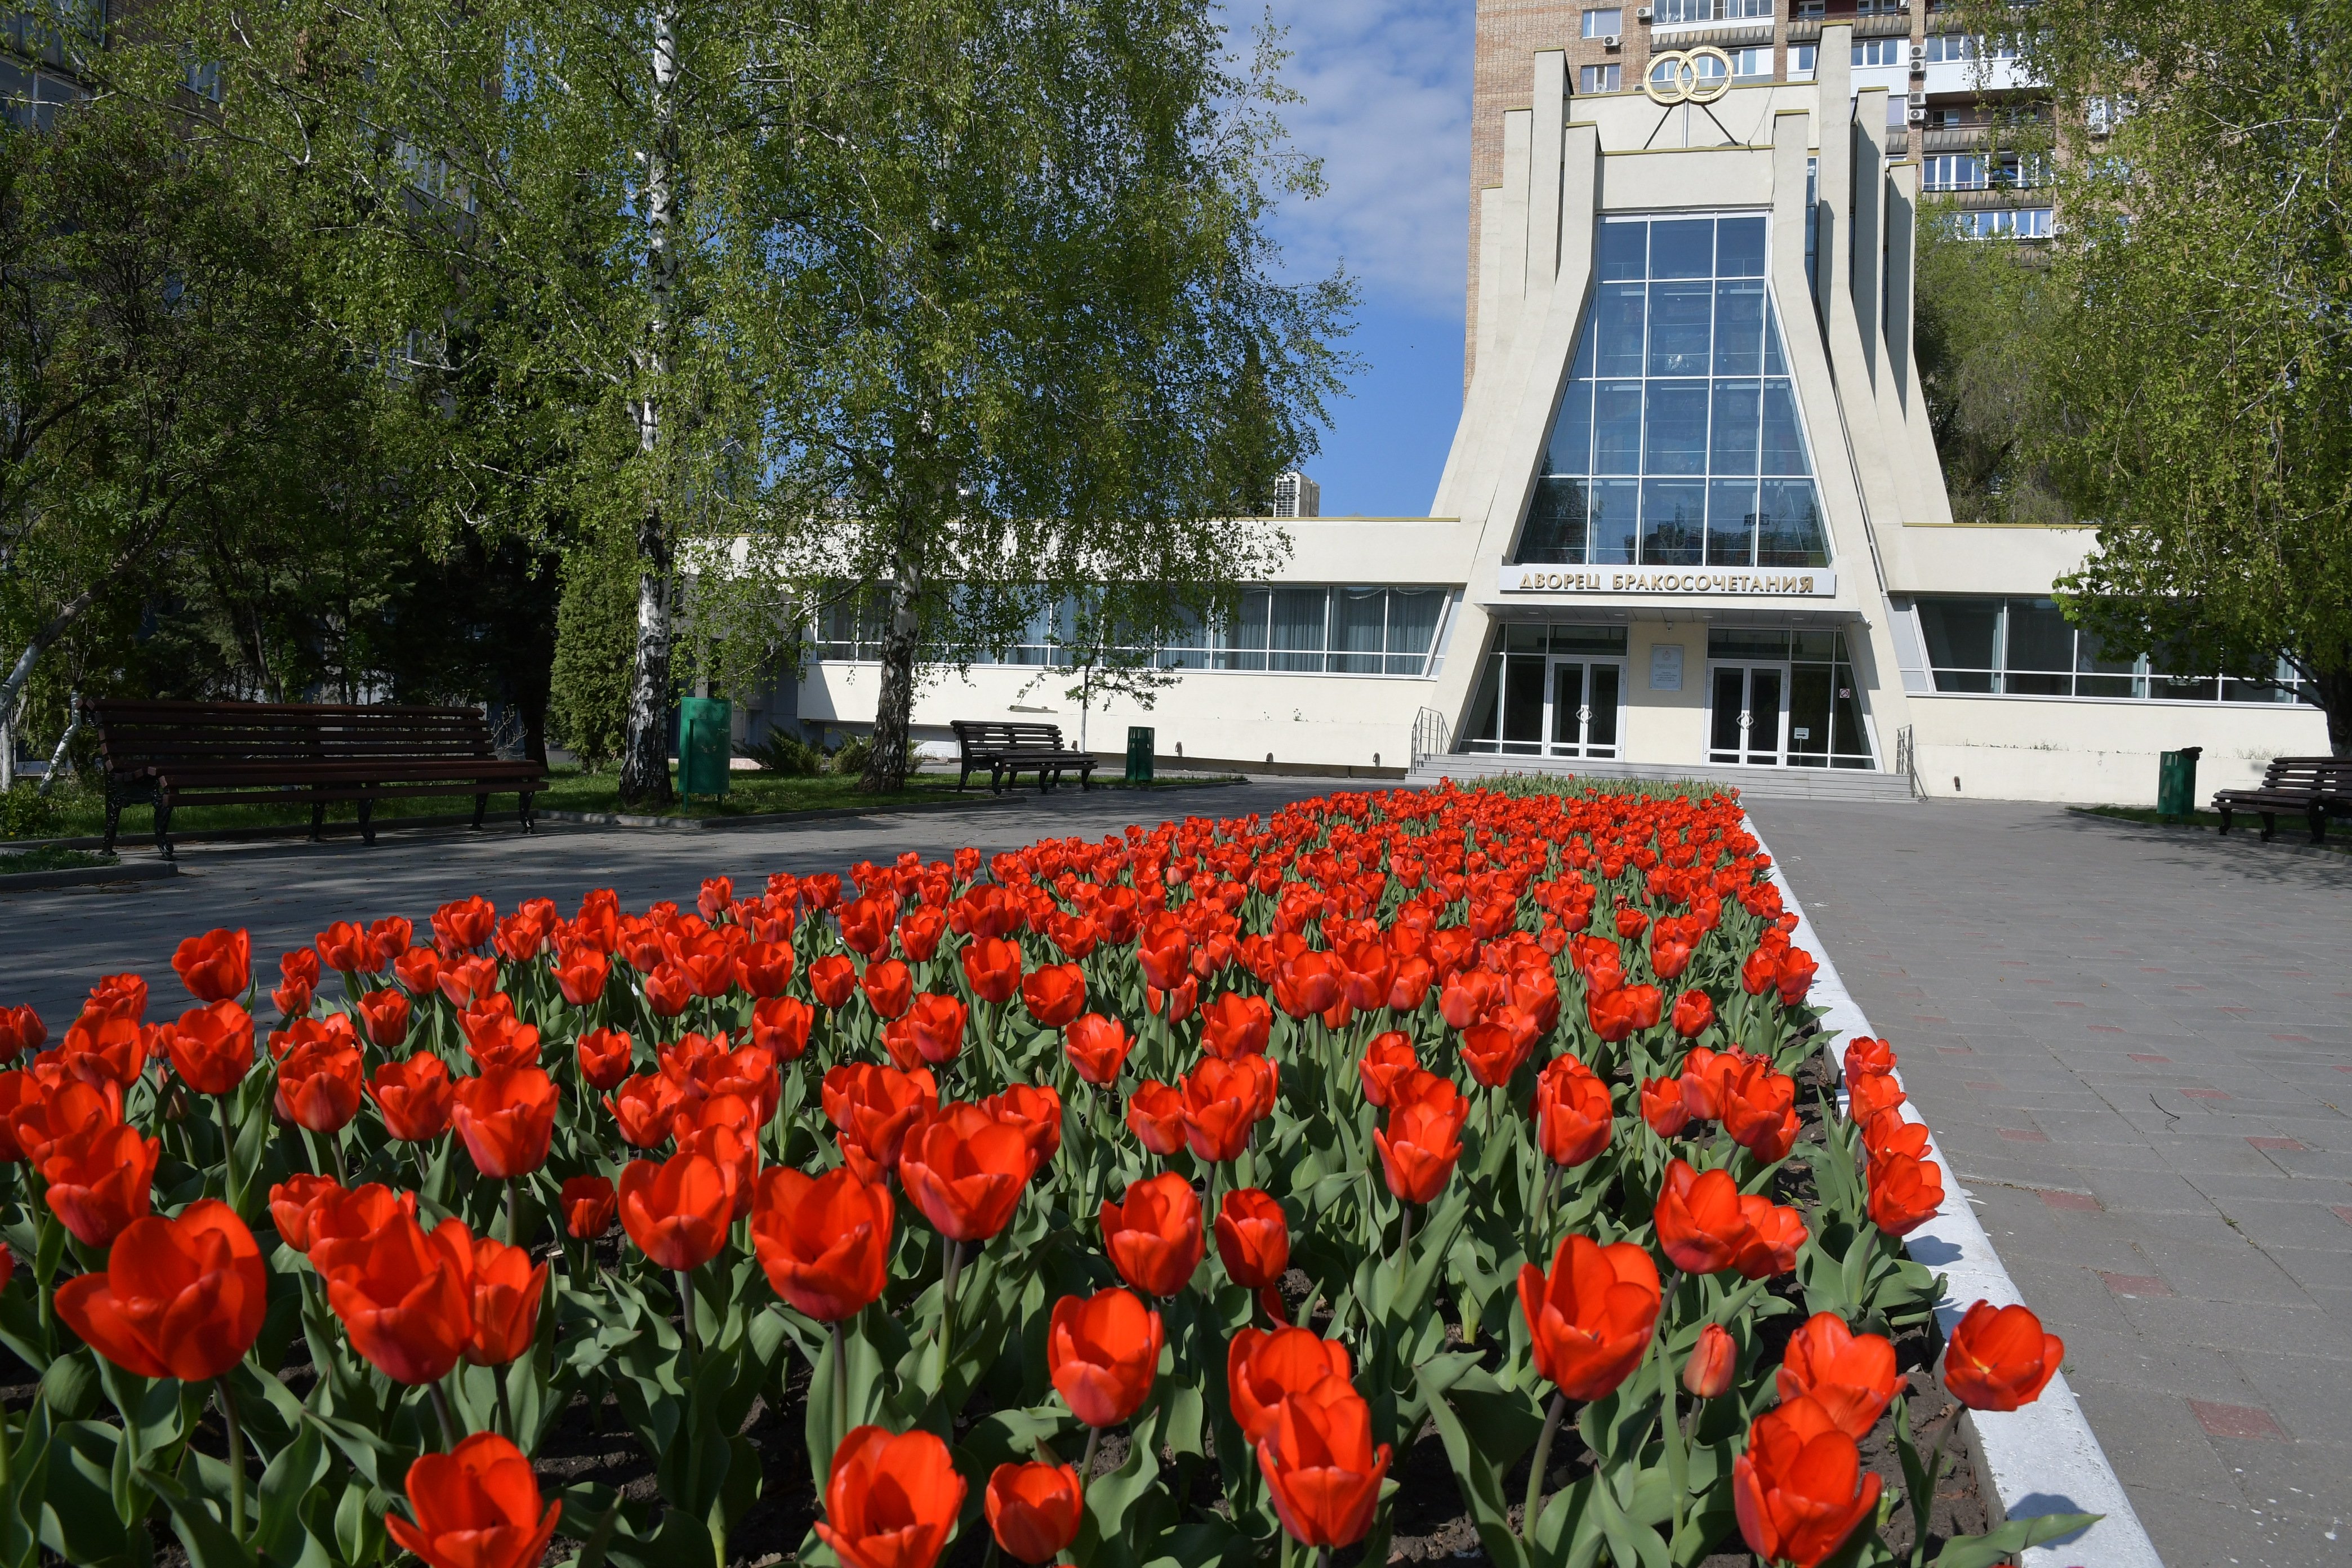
<point>1677,441</point>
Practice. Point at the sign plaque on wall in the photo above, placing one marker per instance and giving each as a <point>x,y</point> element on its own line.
<point>1666,667</point>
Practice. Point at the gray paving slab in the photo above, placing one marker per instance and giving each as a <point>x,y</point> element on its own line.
<point>2193,1269</point>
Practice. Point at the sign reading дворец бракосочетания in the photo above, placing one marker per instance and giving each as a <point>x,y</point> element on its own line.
<point>1744,582</point>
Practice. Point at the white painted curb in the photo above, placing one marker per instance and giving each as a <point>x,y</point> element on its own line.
<point>2043,1458</point>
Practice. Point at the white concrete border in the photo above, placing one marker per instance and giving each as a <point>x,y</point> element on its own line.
<point>2043,1458</point>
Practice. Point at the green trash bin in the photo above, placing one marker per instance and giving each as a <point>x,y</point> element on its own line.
<point>1139,753</point>
<point>2176,782</point>
<point>704,745</point>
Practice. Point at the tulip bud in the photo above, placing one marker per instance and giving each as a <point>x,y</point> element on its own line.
<point>1707,1373</point>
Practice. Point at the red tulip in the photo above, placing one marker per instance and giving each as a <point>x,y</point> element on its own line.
<point>342,1227</point>
<point>505,1117</point>
<point>832,979</point>
<point>21,1030</point>
<point>1706,1079</point>
<point>1102,1353</point>
<point>1865,1057</point>
<point>1759,1111</point>
<point>723,1129</point>
<point>498,1041</point>
<point>589,1204</point>
<point>290,1203</point>
<point>1387,1058</point>
<point>873,1107</point>
<point>667,991</point>
<point>465,924</point>
<point>1153,1236</point>
<point>779,1026</point>
<point>643,1108</point>
<point>1262,1369</point>
<point>476,1506</point>
<point>465,980</point>
<point>1096,1046</point>
<point>1872,1093</point>
<point>1906,1192</point>
<point>581,973</point>
<point>180,1298</point>
<point>1034,1510</point>
<point>1664,1106</point>
<point>216,966</point>
<point>1156,1111</point>
<point>1410,985</point>
<point>347,948</point>
<point>676,1212</point>
<point>2001,1360</point>
<point>890,1503</point>
<point>117,996</point>
<point>1253,1239</point>
<point>1419,1146</point>
<point>1794,976</point>
<point>1850,1375</point>
<point>1759,971</point>
<point>211,1048</point>
<point>404,1299</point>
<point>1591,1316</point>
<point>935,1024</point>
<point>1038,1113</point>
<point>965,1170</point>
<point>319,1084</point>
<point>766,968</point>
<point>1165,953</point>
<point>825,1241</point>
<point>1694,1014</point>
<point>1054,994</point>
<point>1236,1025</point>
<point>1705,1224</point>
<point>866,926</point>
<point>889,986</point>
<point>1800,1489</point>
<point>414,1097</point>
<point>1573,1114</point>
<point>106,1047</point>
<point>1713,1362</point>
<point>605,1057</point>
<point>1887,1133</point>
<point>505,1292</point>
<point>1617,1013</point>
<point>1494,1049</point>
<point>1320,1465</point>
<point>1308,983</point>
<point>384,1016</point>
<point>1221,1106</point>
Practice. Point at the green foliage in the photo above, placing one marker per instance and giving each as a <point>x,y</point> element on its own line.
<point>1983,309</point>
<point>781,752</point>
<point>27,813</point>
<point>595,637</point>
<point>2196,379</point>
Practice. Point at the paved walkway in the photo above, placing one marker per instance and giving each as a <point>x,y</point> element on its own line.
<point>2136,1048</point>
<point>53,945</point>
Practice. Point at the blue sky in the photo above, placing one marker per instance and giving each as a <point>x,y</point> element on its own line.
<point>1387,89</point>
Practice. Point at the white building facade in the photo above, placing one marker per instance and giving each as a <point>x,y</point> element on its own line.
<point>1692,523</point>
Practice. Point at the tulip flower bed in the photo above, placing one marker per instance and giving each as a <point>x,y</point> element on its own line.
<point>1139,1202</point>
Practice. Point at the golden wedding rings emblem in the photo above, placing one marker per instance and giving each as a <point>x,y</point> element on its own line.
<point>1688,76</point>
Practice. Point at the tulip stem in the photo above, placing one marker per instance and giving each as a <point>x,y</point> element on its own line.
<point>228,1155</point>
<point>1924,1505</point>
<point>1087,1465</point>
<point>447,1417</point>
<point>514,1211</point>
<point>506,1407</point>
<point>235,1458</point>
<point>686,1316</point>
<point>1405,1236</point>
<point>1542,1462</point>
<point>840,1383</point>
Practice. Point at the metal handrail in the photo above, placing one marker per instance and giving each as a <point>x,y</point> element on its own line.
<point>1432,735</point>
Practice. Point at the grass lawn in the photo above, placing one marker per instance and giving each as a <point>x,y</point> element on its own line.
<point>2291,825</point>
<point>83,812</point>
<point>48,857</point>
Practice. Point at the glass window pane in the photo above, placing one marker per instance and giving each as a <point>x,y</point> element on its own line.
<point>1555,533</point>
<point>1746,642</point>
<point>1358,629</point>
<point>1570,448</point>
<point>1294,640</point>
<point>1731,446</point>
<point>1523,702</point>
<point>1789,525</point>
<point>1784,439</point>
<point>1813,645</point>
<point>1567,700</point>
<point>1600,730</point>
<point>1617,329</point>
<point>1847,736</point>
<point>1617,427</point>
<point>1740,327</point>
<point>1611,509</point>
<point>1248,650</point>
<point>1961,633</point>
<point>1682,248</point>
<point>1773,363</point>
<point>2039,637</point>
<point>1739,246</point>
<point>1413,627</point>
<point>1587,639</point>
<point>1731,523</point>
<point>1624,250</point>
<point>1480,731</point>
<point>1679,317</point>
<point>1672,515</point>
<point>1676,434</point>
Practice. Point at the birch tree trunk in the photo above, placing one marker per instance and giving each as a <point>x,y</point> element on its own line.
<point>644,757</point>
<point>886,764</point>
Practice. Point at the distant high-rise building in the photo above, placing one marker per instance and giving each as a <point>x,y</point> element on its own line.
<point>1296,495</point>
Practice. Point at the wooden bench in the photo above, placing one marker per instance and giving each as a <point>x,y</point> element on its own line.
<point>272,753</point>
<point>1008,750</point>
<point>2314,787</point>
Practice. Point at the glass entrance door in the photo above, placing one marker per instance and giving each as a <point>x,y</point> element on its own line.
<point>1749,714</point>
<point>1584,699</point>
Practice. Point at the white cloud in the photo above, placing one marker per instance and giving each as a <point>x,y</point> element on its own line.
<point>1386,89</point>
